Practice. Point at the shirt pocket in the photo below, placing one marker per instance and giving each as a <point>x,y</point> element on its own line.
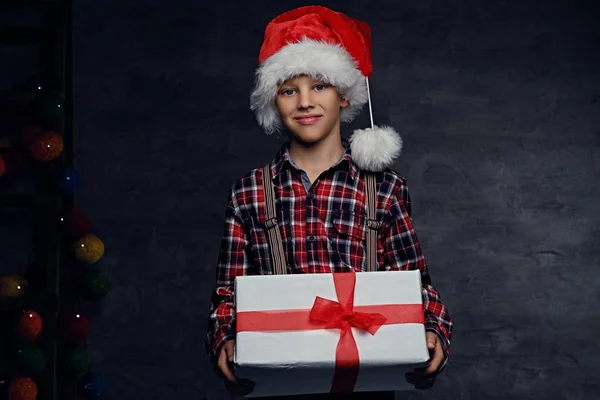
<point>260,251</point>
<point>348,239</point>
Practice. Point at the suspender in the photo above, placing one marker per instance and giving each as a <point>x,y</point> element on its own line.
<point>372,223</point>
<point>275,243</point>
<point>274,235</point>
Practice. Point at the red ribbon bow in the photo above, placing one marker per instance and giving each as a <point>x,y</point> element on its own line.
<point>341,315</point>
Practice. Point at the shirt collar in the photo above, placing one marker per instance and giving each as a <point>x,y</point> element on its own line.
<point>283,160</point>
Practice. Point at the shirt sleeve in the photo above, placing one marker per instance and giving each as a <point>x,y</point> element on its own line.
<point>402,251</point>
<point>232,261</point>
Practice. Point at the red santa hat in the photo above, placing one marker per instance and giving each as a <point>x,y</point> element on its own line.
<point>323,44</point>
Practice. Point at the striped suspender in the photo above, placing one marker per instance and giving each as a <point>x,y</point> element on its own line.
<point>274,235</point>
<point>278,259</point>
<point>372,223</point>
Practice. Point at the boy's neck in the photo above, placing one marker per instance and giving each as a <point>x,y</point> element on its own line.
<point>314,158</point>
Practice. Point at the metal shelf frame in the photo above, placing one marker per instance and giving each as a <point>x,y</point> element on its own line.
<point>55,35</point>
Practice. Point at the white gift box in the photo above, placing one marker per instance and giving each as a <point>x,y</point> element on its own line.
<point>286,352</point>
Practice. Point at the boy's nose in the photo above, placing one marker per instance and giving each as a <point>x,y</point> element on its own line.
<point>305,100</point>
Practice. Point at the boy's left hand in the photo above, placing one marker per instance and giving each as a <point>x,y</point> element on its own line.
<point>424,378</point>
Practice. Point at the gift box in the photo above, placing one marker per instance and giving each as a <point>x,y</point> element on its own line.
<point>329,333</point>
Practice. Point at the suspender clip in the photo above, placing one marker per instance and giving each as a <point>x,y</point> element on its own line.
<point>373,224</point>
<point>271,223</point>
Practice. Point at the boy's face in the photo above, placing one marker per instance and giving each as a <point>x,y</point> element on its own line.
<point>309,108</point>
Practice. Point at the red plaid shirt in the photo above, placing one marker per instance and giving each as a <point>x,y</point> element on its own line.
<point>323,230</point>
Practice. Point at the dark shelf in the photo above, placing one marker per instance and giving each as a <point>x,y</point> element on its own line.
<point>11,98</point>
<point>17,35</point>
<point>32,2</point>
<point>51,277</point>
<point>47,302</point>
<point>11,304</point>
<point>30,200</point>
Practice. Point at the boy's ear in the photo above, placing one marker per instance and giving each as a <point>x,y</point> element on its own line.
<point>344,103</point>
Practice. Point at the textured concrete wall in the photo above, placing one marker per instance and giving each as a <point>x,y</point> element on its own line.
<point>499,106</point>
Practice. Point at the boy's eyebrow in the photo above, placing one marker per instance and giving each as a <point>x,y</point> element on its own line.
<point>314,82</point>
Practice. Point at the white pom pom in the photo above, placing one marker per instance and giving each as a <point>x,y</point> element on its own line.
<point>375,149</point>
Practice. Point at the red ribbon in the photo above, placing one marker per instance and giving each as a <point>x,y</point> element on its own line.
<point>329,314</point>
<point>341,315</point>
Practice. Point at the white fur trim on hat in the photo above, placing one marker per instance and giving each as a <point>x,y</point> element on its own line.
<point>375,149</point>
<point>319,60</point>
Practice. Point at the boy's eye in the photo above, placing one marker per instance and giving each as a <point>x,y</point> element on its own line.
<point>287,92</point>
<point>320,87</point>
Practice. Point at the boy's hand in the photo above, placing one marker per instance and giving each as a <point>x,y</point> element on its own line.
<point>236,387</point>
<point>424,378</point>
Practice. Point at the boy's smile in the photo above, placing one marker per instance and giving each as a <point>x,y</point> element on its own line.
<point>308,119</point>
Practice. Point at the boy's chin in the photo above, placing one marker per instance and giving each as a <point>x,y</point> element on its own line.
<point>309,136</point>
<point>307,139</point>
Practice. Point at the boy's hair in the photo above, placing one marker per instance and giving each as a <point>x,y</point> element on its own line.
<point>319,42</point>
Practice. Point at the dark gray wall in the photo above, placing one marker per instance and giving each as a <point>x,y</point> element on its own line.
<point>499,106</point>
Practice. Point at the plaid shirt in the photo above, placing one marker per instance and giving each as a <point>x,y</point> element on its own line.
<point>323,230</point>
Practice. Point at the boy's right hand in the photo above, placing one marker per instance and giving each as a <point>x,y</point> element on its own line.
<point>236,387</point>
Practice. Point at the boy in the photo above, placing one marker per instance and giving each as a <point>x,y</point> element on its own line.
<point>314,65</point>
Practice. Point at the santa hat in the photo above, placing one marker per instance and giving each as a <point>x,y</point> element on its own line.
<point>323,44</point>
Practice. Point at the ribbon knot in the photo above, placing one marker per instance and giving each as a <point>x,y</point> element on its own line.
<point>336,316</point>
<point>341,315</point>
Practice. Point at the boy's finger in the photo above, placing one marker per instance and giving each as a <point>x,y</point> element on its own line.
<point>230,352</point>
<point>436,360</point>
<point>224,367</point>
<point>431,342</point>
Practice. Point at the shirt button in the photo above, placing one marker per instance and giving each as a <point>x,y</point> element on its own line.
<point>311,238</point>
